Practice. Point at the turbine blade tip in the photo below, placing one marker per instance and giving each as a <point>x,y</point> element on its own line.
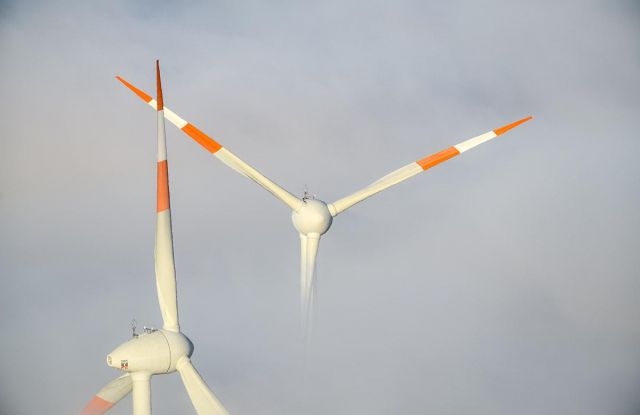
<point>141,94</point>
<point>96,406</point>
<point>159,87</point>
<point>505,128</point>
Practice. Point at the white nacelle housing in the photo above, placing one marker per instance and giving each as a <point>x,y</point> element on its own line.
<point>155,352</point>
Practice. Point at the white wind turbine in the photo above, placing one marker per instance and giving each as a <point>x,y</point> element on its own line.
<point>167,350</point>
<point>312,217</point>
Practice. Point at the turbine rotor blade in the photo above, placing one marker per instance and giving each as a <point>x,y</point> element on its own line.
<point>308,252</point>
<point>226,156</point>
<point>202,398</point>
<point>419,166</point>
<point>303,278</point>
<point>108,396</point>
<point>164,261</point>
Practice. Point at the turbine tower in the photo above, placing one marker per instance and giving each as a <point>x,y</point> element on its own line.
<point>167,350</point>
<point>312,217</point>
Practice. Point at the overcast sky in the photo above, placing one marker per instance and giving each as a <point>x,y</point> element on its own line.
<point>505,281</point>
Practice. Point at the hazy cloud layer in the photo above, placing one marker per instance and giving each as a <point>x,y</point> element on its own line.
<point>505,281</point>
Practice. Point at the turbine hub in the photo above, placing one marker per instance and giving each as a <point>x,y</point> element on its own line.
<point>312,217</point>
<point>154,351</point>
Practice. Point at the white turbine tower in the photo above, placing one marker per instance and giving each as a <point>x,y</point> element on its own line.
<point>167,350</point>
<point>312,217</point>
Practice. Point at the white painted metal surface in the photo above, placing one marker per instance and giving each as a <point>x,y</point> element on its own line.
<point>141,393</point>
<point>308,253</point>
<point>393,178</point>
<point>475,141</point>
<point>243,168</point>
<point>156,352</point>
<point>202,398</point>
<point>164,261</point>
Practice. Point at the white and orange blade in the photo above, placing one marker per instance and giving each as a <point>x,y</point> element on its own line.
<point>108,396</point>
<point>416,167</point>
<point>164,262</point>
<point>219,151</point>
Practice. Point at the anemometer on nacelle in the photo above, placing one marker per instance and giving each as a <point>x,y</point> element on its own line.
<point>306,196</point>
<point>145,329</point>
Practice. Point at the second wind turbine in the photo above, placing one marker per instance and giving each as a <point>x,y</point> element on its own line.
<point>312,217</point>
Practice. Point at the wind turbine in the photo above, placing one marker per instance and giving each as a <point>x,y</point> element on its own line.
<point>312,217</point>
<point>167,350</point>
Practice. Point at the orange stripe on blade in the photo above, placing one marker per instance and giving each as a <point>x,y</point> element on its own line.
<point>96,406</point>
<point>159,87</point>
<point>434,159</point>
<point>507,127</point>
<point>204,140</point>
<point>163,186</point>
<point>141,94</point>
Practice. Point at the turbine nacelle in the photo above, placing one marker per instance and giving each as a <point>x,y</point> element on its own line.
<point>154,352</point>
<point>313,217</point>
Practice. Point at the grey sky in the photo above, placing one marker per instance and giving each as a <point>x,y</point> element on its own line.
<point>504,281</point>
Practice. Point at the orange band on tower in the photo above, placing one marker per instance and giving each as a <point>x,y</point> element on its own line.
<point>96,406</point>
<point>434,159</point>
<point>507,127</point>
<point>145,97</point>
<point>204,140</point>
<point>163,186</point>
